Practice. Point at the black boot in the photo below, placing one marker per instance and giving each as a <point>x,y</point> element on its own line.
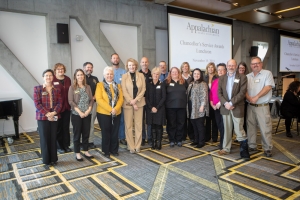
<point>288,134</point>
<point>159,132</point>
<point>244,150</point>
<point>153,131</point>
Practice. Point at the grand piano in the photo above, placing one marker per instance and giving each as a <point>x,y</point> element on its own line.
<point>11,107</point>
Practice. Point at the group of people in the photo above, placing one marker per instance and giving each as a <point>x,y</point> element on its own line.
<point>132,106</point>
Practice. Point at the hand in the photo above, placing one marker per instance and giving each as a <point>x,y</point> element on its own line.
<point>201,109</point>
<point>231,108</point>
<point>113,111</point>
<point>214,107</point>
<point>154,110</point>
<point>253,99</point>
<point>135,107</point>
<point>50,119</point>
<point>81,114</point>
<point>218,105</point>
<point>86,113</point>
<point>132,102</point>
<point>227,105</point>
<point>50,114</point>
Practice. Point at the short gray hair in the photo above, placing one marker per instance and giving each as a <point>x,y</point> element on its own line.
<point>107,69</point>
<point>156,70</point>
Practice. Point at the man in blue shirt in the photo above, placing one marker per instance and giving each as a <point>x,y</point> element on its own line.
<point>118,72</point>
<point>164,70</point>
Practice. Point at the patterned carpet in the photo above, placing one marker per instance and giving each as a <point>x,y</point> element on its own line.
<point>171,173</point>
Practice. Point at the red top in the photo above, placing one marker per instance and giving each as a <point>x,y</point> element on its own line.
<point>64,89</point>
<point>213,95</point>
<point>42,103</point>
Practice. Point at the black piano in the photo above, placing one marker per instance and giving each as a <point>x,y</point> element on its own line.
<point>11,107</point>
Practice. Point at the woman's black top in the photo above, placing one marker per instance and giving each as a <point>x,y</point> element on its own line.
<point>135,88</point>
<point>176,95</point>
<point>290,106</point>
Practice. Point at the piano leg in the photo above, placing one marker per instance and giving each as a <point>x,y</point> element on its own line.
<point>16,125</point>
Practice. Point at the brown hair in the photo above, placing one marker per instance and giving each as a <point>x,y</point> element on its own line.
<point>169,78</point>
<point>245,65</point>
<point>59,65</point>
<point>185,63</point>
<point>215,69</point>
<point>134,62</point>
<point>75,84</point>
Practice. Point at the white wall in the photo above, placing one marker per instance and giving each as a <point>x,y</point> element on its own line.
<point>10,88</point>
<point>25,36</point>
<point>123,39</point>
<point>161,39</point>
<point>84,51</point>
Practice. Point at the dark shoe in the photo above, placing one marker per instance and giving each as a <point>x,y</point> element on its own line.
<point>172,144</point>
<point>252,149</point>
<point>179,144</point>
<point>79,159</point>
<point>68,149</point>
<point>244,153</point>
<point>199,146</point>
<point>222,152</point>
<point>268,153</point>
<point>54,163</point>
<point>236,141</point>
<point>91,145</point>
<point>61,151</point>
<point>123,141</point>
<point>107,155</point>
<point>194,143</point>
<point>159,133</point>
<point>115,154</point>
<point>288,134</point>
<point>143,142</point>
<point>88,157</point>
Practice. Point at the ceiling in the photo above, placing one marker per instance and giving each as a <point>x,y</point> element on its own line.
<point>279,14</point>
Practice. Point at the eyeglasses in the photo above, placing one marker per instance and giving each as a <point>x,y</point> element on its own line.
<point>255,63</point>
<point>59,69</point>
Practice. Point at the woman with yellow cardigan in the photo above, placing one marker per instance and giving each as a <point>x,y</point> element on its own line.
<point>109,99</point>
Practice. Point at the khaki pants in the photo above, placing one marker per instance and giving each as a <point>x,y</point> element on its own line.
<point>93,117</point>
<point>261,116</point>
<point>134,143</point>
<point>230,121</point>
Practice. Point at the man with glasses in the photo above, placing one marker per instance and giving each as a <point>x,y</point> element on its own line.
<point>231,92</point>
<point>259,93</point>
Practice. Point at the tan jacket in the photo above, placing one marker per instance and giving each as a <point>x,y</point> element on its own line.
<point>74,96</point>
<point>127,88</point>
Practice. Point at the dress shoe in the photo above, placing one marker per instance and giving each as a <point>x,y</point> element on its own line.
<point>172,144</point>
<point>123,141</point>
<point>268,153</point>
<point>88,157</point>
<point>78,159</point>
<point>107,155</point>
<point>288,134</point>
<point>132,151</point>
<point>252,149</point>
<point>194,143</point>
<point>91,145</point>
<point>115,154</point>
<point>53,163</point>
<point>222,152</point>
<point>61,151</point>
<point>199,146</point>
<point>68,149</point>
<point>138,150</point>
<point>143,142</point>
<point>179,144</point>
<point>244,152</point>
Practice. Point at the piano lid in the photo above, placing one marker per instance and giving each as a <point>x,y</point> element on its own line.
<point>10,99</point>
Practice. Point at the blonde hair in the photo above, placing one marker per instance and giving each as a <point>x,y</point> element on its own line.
<point>185,63</point>
<point>156,70</point>
<point>215,69</point>
<point>134,62</point>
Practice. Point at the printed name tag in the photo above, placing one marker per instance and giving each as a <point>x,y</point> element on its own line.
<point>120,79</point>
<point>172,84</point>
<point>150,77</point>
<point>56,83</point>
<point>158,87</point>
<point>76,91</point>
<point>256,81</point>
<point>44,93</point>
<point>236,80</point>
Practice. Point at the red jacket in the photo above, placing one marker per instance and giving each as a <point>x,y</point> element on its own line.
<point>64,89</point>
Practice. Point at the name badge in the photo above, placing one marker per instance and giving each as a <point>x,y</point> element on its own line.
<point>236,80</point>
<point>55,83</point>
<point>172,84</point>
<point>44,93</point>
<point>158,87</point>
<point>150,77</point>
<point>76,91</point>
<point>256,81</point>
<point>120,79</point>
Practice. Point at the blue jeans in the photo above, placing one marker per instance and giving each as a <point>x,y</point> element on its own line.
<point>122,127</point>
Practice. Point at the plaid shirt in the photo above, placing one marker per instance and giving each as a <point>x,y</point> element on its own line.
<point>41,100</point>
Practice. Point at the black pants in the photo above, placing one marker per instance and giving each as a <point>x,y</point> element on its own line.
<point>47,132</point>
<point>81,128</point>
<point>188,129</point>
<point>175,118</point>
<point>199,130</point>
<point>109,130</point>
<point>63,131</point>
<point>211,126</point>
<point>219,121</point>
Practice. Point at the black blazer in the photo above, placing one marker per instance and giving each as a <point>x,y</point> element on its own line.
<point>290,105</point>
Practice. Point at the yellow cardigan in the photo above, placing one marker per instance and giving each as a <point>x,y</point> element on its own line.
<point>102,100</point>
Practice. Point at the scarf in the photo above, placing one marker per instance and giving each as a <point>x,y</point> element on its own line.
<point>112,101</point>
